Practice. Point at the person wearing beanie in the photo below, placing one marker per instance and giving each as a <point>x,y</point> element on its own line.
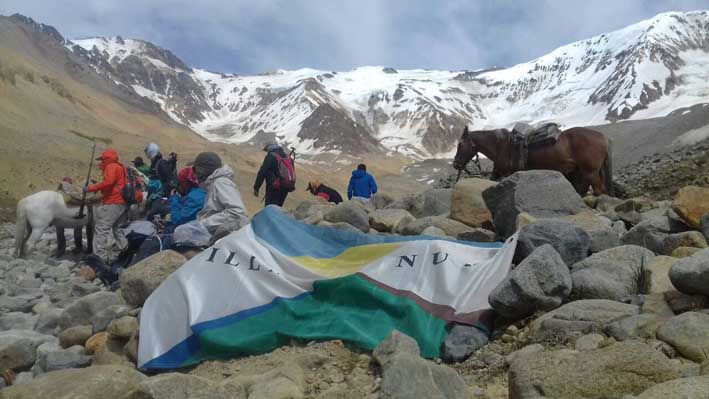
<point>187,200</point>
<point>113,207</point>
<point>269,173</point>
<point>223,204</point>
<point>164,170</point>
<point>141,166</point>
<point>320,190</point>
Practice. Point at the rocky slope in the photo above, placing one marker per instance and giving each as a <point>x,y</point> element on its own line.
<point>645,70</point>
<point>607,299</point>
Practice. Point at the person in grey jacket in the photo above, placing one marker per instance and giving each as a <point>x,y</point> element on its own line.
<point>223,205</point>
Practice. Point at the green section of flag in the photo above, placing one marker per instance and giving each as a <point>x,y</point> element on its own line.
<point>349,308</point>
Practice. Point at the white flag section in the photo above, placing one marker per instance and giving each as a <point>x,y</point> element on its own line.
<point>277,279</point>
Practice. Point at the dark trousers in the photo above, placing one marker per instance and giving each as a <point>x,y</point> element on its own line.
<point>276,197</point>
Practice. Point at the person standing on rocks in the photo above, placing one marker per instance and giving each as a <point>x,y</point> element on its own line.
<point>278,173</point>
<point>362,184</point>
<point>223,205</point>
<point>113,207</point>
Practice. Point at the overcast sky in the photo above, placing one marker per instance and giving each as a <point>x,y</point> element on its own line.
<point>261,35</point>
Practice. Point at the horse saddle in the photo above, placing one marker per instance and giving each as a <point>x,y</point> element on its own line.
<point>544,133</point>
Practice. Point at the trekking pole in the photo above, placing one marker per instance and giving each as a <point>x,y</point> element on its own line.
<point>83,196</point>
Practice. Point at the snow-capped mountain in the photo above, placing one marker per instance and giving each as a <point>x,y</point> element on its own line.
<point>645,70</point>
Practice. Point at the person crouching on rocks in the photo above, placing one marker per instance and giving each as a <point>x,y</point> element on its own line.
<point>320,190</point>
<point>185,201</point>
<point>113,207</point>
<point>224,210</point>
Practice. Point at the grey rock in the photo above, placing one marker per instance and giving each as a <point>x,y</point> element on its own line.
<point>340,226</point>
<point>178,386</point>
<point>50,357</point>
<point>657,275</point>
<point>19,303</point>
<point>477,235</point>
<point>381,200</point>
<point>705,226</point>
<point>348,212</point>
<point>433,231</point>
<point>589,342</point>
<point>286,382</point>
<point>541,282</point>
<point>107,315</point>
<point>691,275</point>
<point>462,342</point>
<point>386,220</point>
<point>540,193</point>
<point>611,372</point>
<point>123,327</point>
<point>577,318</point>
<point>685,388</point>
<point>410,203</point>
<point>689,334</point>
<point>85,383</point>
<point>436,202</point>
<point>84,310</point>
<point>450,227</point>
<point>48,321</point>
<point>141,279</point>
<point>309,208</point>
<point>529,349</point>
<point>651,233</point>
<point>394,345</point>
<point>570,241</point>
<point>641,326</point>
<point>17,321</point>
<point>18,348</point>
<point>691,239</point>
<point>612,274</point>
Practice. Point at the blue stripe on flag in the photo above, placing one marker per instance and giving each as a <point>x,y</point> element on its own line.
<point>293,238</point>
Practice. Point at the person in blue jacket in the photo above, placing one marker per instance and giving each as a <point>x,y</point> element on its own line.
<point>185,204</point>
<point>362,184</point>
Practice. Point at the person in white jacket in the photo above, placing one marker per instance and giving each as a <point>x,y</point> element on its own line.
<point>223,205</point>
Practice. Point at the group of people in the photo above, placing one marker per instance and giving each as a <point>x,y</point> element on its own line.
<point>202,196</point>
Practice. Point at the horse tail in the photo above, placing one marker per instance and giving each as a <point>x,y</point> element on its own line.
<point>21,225</point>
<point>607,169</point>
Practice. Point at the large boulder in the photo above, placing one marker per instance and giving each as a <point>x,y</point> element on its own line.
<point>577,318</point>
<point>691,203</point>
<point>612,274</point>
<point>406,375</point>
<point>17,321</point>
<point>599,229</point>
<point>691,275</point>
<point>540,193</point>
<point>381,200</point>
<point>178,386</point>
<point>541,282</point>
<point>436,202</point>
<point>626,368</point>
<point>50,357</point>
<point>462,341</point>
<point>18,348</point>
<point>348,212</point>
<point>310,207</point>
<point>569,241</point>
<point>467,204</point>
<point>685,388</point>
<point>85,310</point>
<point>141,279</point>
<point>656,276</point>
<point>105,382</point>
<point>689,334</point>
<point>76,335</point>
<point>386,220</point>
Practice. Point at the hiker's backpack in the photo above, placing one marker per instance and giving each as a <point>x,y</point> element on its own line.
<point>132,192</point>
<point>286,173</point>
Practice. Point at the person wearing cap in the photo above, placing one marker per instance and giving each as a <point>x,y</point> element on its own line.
<point>113,207</point>
<point>161,169</point>
<point>269,173</point>
<point>187,200</point>
<point>141,166</point>
<point>320,190</point>
<point>223,204</point>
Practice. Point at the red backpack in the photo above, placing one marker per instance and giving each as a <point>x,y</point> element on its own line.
<point>286,173</point>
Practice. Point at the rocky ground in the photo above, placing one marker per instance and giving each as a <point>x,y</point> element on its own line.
<point>608,299</point>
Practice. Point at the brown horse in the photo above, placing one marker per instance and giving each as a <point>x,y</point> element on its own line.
<point>582,155</point>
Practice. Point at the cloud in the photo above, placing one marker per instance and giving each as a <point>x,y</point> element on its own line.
<point>250,37</point>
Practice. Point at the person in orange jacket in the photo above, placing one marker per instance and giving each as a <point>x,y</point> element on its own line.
<point>113,207</point>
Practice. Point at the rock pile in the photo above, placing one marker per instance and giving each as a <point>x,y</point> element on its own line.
<point>607,298</point>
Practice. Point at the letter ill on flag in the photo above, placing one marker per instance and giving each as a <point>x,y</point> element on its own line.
<point>278,279</point>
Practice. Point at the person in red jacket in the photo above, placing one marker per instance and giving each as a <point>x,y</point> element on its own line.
<point>113,207</point>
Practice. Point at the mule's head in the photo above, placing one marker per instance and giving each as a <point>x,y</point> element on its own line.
<point>466,150</point>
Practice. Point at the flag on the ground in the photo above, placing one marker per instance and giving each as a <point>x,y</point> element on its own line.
<point>278,279</point>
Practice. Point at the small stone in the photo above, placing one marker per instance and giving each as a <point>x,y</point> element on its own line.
<point>124,327</point>
<point>75,336</point>
<point>96,342</point>
<point>589,342</point>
